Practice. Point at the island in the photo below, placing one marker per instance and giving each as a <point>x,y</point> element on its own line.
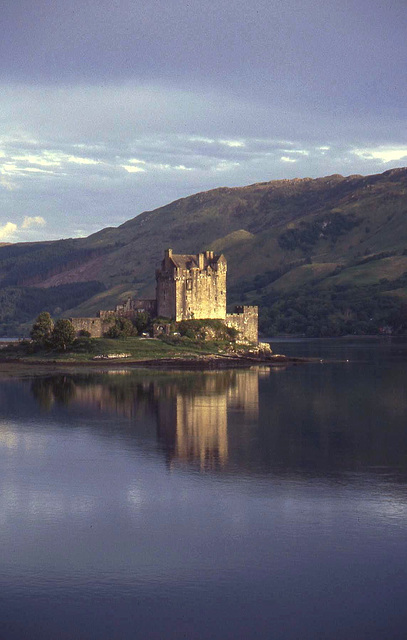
<point>186,325</point>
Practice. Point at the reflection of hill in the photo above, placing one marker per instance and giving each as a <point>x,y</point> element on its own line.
<point>325,419</point>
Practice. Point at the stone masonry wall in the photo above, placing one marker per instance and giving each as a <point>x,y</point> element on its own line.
<point>95,326</point>
<point>133,306</point>
<point>246,320</point>
<point>191,286</point>
<point>166,296</point>
<point>201,294</point>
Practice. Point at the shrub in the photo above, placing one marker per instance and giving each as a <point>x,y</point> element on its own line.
<point>206,330</point>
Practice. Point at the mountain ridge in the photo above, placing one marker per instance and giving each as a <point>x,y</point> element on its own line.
<point>266,230</point>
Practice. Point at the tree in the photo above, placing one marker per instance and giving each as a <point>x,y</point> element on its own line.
<point>42,329</point>
<point>122,328</point>
<point>63,334</point>
<point>141,321</point>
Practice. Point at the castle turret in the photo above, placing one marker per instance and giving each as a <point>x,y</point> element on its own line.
<point>167,257</point>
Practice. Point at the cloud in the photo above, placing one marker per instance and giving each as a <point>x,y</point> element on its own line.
<point>105,154</point>
<point>137,161</point>
<point>232,143</point>
<point>32,221</point>
<point>42,160</point>
<point>131,168</point>
<point>8,231</point>
<point>300,152</point>
<point>201,139</point>
<point>109,109</point>
<point>384,154</point>
<point>317,54</point>
<point>77,160</point>
<point>6,182</point>
<point>224,165</point>
<point>142,167</point>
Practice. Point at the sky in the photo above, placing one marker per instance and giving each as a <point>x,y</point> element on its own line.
<point>111,108</point>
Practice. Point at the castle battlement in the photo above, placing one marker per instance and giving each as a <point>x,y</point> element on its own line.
<point>189,286</point>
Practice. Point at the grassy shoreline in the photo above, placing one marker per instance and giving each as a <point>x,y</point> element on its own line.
<point>136,353</point>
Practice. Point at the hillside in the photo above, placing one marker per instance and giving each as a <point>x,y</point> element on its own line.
<point>320,256</point>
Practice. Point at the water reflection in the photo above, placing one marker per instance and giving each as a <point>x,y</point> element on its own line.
<point>191,412</point>
<point>193,422</point>
<point>320,420</point>
<point>299,524</point>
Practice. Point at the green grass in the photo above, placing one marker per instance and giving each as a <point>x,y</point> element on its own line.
<point>138,349</point>
<point>372,272</point>
<point>231,240</point>
<point>303,275</point>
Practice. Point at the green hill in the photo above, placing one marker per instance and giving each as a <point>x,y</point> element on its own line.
<point>320,256</point>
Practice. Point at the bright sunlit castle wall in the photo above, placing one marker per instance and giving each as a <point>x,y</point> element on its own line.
<point>189,287</point>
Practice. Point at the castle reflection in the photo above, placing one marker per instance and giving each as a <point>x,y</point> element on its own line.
<point>192,412</point>
<point>317,420</point>
<point>193,424</point>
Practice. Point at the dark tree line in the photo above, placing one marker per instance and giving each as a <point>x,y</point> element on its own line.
<point>20,305</point>
<point>339,310</point>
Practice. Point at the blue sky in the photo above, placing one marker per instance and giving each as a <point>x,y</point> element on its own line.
<point>108,109</point>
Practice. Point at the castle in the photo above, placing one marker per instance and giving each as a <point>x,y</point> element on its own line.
<point>191,286</point>
<point>188,287</point>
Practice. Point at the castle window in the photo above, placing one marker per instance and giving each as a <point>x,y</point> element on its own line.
<point>189,285</point>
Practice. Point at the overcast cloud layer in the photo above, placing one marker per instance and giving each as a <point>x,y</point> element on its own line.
<point>112,108</point>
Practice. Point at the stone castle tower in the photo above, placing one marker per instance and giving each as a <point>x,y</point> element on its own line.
<point>191,286</point>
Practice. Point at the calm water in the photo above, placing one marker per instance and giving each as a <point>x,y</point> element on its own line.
<point>225,505</point>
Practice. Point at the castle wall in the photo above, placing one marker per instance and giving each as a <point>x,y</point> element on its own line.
<point>188,287</point>
<point>106,315</point>
<point>201,294</point>
<point>246,321</point>
<point>147,306</point>
<point>191,286</point>
<point>166,296</point>
<point>95,326</point>
<point>133,306</point>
